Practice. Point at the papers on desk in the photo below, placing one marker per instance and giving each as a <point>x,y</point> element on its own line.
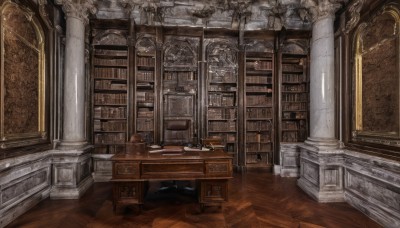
<point>169,150</point>
<point>195,149</point>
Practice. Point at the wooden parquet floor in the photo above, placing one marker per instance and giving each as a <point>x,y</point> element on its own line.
<point>256,199</point>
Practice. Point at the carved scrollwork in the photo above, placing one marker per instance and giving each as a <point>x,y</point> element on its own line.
<point>319,9</point>
<point>259,45</point>
<point>146,45</point>
<point>180,53</point>
<point>43,13</point>
<point>109,37</point>
<point>354,10</point>
<point>299,47</point>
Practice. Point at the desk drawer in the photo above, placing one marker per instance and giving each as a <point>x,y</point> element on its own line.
<point>126,170</point>
<point>171,170</point>
<point>219,168</point>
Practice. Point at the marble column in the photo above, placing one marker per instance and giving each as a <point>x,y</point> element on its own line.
<point>71,161</point>
<point>321,161</point>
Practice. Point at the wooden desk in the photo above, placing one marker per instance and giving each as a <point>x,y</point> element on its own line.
<point>133,170</point>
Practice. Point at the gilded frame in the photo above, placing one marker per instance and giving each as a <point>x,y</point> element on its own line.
<point>24,139</point>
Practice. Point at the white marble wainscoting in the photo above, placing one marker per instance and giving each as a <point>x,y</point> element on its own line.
<point>321,173</point>
<point>102,167</point>
<point>24,182</point>
<point>372,185</point>
<point>71,172</point>
<point>290,159</point>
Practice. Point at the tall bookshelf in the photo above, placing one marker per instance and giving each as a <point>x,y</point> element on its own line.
<point>294,98</point>
<point>222,95</point>
<point>259,79</point>
<point>145,83</point>
<point>110,80</point>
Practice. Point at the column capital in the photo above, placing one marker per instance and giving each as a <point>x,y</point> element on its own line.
<point>319,9</point>
<point>78,8</point>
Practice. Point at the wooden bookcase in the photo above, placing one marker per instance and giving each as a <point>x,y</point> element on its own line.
<point>145,88</point>
<point>110,91</point>
<point>294,98</point>
<point>222,94</point>
<point>259,111</point>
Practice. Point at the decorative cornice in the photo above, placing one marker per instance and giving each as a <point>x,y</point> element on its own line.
<point>320,9</point>
<point>354,10</point>
<point>78,8</point>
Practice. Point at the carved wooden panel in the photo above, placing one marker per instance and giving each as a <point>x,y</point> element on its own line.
<point>223,168</point>
<point>213,191</point>
<point>178,105</point>
<point>128,192</point>
<point>253,45</point>
<point>298,47</point>
<point>181,52</point>
<point>126,170</point>
<point>109,37</point>
<point>146,45</point>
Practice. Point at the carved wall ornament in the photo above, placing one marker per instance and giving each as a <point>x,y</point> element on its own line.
<point>78,8</point>
<point>109,37</point>
<point>146,45</point>
<point>43,13</point>
<point>354,10</point>
<point>259,45</point>
<point>319,9</point>
<point>299,47</point>
<point>180,53</point>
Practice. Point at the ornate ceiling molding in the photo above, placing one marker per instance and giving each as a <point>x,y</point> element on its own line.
<point>354,10</point>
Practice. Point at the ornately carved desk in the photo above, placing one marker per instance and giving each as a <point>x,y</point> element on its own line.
<point>133,170</point>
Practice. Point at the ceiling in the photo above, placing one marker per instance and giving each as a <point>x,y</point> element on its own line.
<point>230,14</point>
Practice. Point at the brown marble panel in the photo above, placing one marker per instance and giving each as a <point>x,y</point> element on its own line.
<point>21,86</point>
<point>380,88</point>
<point>16,20</point>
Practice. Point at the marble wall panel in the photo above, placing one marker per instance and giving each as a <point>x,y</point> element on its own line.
<point>290,159</point>
<point>310,171</point>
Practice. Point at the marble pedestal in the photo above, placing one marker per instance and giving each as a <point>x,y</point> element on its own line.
<point>71,172</point>
<point>321,173</point>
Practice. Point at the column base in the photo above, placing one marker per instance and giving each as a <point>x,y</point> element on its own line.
<point>67,145</point>
<point>321,172</point>
<point>71,172</point>
<point>322,144</point>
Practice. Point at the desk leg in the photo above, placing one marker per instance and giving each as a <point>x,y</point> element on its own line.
<point>212,192</point>
<point>128,193</point>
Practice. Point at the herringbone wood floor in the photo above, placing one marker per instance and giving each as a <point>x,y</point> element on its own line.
<point>256,199</point>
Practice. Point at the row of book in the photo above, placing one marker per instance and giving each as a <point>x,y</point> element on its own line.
<point>258,100</point>
<point>106,99</point>
<point>255,113</point>
<point>258,126</point>
<point>225,137</point>
<point>145,113</point>
<point>108,138</point>
<point>295,106</point>
<point>291,97</point>
<point>107,52</point>
<point>180,76</point>
<point>222,125</point>
<point>220,99</point>
<point>293,78</point>
<point>294,115</point>
<point>144,124</point>
<point>259,65</point>
<point>257,88</point>
<point>290,125</point>
<point>258,137</point>
<point>294,88</point>
<point>113,125</point>
<point>258,147</point>
<point>217,88</point>
<point>145,76</point>
<point>222,113</point>
<point>259,79</point>
<point>109,85</point>
<point>110,112</point>
<point>110,62</point>
<point>109,149</point>
<point>142,96</point>
<point>117,73</point>
<point>290,136</point>
<point>146,61</point>
<point>292,67</point>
